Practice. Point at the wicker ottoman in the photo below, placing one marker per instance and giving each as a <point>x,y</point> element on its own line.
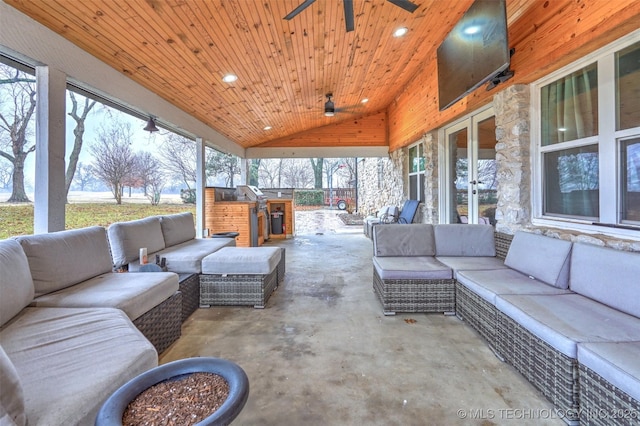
<point>240,276</point>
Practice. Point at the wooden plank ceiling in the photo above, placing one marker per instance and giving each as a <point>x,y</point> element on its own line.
<point>181,49</point>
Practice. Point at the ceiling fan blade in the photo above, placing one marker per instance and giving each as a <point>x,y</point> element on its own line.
<point>300,8</point>
<point>405,4</point>
<point>348,15</point>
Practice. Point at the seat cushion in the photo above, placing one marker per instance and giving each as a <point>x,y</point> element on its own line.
<point>177,228</point>
<point>242,260</point>
<point>617,363</point>
<point>16,285</point>
<point>12,410</point>
<point>490,283</point>
<point>407,240</point>
<point>127,238</point>
<point>134,293</point>
<point>186,258</point>
<point>471,263</point>
<point>468,240</point>
<point>565,320</point>
<point>71,360</point>
<point>607,275</point>
<point>544,258</point>
<point>411,268</point>
<point>62,259</point>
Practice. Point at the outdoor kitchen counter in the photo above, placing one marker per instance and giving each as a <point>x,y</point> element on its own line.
<point>233,216</point>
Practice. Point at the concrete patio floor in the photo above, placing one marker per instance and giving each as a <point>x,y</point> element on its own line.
<point>322,352</point>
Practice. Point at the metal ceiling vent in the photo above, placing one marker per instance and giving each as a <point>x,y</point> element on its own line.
<point>348,10</point>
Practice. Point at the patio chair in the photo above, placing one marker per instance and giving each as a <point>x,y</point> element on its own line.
<point>408,212</point>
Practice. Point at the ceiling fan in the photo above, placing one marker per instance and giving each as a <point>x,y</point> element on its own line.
<point>348,10</point>
<point>330,108</point>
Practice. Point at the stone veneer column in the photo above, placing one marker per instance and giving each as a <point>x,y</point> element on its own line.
<point>431,201</point>
<point>511,107</point>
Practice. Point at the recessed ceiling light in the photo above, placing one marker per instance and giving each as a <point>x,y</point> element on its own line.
<point>229,78</point>
<point>400,32</point>
<point>267,128</point>
<point>365,100</point>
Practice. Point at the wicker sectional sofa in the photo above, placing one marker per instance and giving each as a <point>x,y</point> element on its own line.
<point>415,265</point>
<point>172,237</point>
<point>71,330</point>
<point>565,315</point>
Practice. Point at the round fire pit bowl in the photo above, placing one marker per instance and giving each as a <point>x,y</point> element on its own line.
<point>112,410</point>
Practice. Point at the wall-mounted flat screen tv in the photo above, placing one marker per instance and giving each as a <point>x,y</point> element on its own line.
<point>473,52</point>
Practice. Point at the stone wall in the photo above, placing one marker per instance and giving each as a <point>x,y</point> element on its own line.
<point>381,182</point>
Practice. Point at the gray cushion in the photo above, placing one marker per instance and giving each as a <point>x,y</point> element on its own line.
<point>411,268</point>
<point>471,263</point>
<point>127,238</point>
<point>490,283</point>
<point>544,258</point>
<point>467,240</point>
<point>133,293</point>
<point>71,360</point>
<point>12,410</point>
<point>242,260</point>
<point>62,259</point>
<point>565,320</point>
<point>617,363</point>
<point>403,240</point>
<point>177,228</point>
<point>16,285</point>
<point>607,275</point>
<point>187,257</point>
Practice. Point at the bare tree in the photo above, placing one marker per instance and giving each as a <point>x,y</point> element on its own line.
<point>317,166</point>
<point>254,167</point>
<point>346,173</point>
<point>296,174</point>
<point>179,159</point>
<point>84,176</point>
<point>17,105</point>
<point>150,173</point>
<point>6,173</point>
<point>227,165</point>
<point>114,159</point>
<point>268,173</point>
<point>78,132</point>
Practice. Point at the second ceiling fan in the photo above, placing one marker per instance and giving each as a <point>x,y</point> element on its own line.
<point>348,10</point>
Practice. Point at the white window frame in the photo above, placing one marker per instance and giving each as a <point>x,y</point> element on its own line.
<point>607,139</point>
<point>419,174</point>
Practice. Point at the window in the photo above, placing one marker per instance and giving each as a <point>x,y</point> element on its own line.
<point>587,149</point>
<point>416,172</point>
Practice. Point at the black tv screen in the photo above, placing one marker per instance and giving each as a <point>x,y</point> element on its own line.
<point>473,52</point>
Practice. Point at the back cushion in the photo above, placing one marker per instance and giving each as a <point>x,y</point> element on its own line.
<point>607,275</point>
<point>464,240</point>
<point>16,285</point>
<point>127,238</point>
<point>543,258</point>
<point>62,259</point>
<point>177,228</point>
<point>383,211</point>
<point>11,394</point>
<point>403,240</point>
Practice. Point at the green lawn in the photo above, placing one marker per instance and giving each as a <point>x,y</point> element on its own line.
<point>18,219</point>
